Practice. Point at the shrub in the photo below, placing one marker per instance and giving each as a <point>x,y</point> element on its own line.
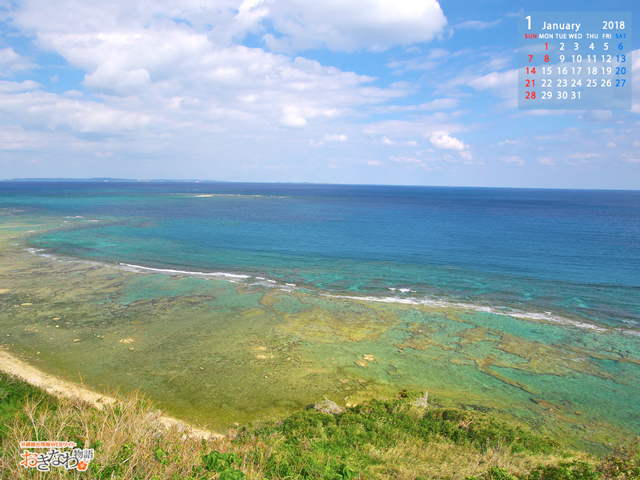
<point>575,470</point>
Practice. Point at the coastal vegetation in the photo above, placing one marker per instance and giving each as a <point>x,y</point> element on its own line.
<point>401,437</point>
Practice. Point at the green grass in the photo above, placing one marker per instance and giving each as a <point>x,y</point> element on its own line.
<point>310,444</point>
<point>13,394</point>
<point>384,439</point>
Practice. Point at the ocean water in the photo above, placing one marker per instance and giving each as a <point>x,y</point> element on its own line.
<point>546,253</point>
<point>227,302</point>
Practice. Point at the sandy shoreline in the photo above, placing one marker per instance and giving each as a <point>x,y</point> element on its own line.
<point>64,389</point>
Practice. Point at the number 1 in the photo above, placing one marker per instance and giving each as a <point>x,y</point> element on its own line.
<point>528,21</point>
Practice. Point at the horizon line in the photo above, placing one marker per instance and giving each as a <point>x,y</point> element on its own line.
<point>193,180</point>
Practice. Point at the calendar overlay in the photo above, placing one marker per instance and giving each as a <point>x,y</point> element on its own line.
<point>574,60</point>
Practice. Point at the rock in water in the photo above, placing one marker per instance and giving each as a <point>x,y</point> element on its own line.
<point>327,406</point>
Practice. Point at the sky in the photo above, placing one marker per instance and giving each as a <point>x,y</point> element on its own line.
<point>401,92</point>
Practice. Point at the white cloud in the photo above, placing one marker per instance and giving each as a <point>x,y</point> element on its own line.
<point>141,62</point>
<point>485,70</point>
<point>47,111</point>
<point>297,115</point>
<point>630,158</point>
<point>582,156</point>
<point>437,104</point>
<point>503,83</point>
<point>159,82</point>
<point>6,87</point>
<point>597,116</point>
<point>635,100</point>
<point>127,50</point>
<point>407,160</point>
<point>11,62</point>
<point>166,80</point>
<point>357,24</point>
<point>545,161</point>
<point>515,159</point>
<point>434,58</point>
<point>443,141</point>
<point>409,163</point>
<point>374,163</point>
<point>297,24</point>
<point>291,117</point>
<point>101,154</point>
<point>15,138</point>
<point>477,24</point>
<point>435,122</point>
<point>335,138</point>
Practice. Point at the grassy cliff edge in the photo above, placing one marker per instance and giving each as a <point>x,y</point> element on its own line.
<point>394,438</point>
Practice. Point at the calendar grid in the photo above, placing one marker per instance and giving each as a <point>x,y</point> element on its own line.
<point>574,60</point>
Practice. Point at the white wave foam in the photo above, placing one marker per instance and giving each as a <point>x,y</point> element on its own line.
<point>635,333</point>
<point>228,277</point>
<point>547,316</point>
<point>429,302</point>
<point>209,195</point>
<point>403,290</point>
<point>557,319</point>
<point>36,251</point>
<point>225,276</point>
<point>186,272</point>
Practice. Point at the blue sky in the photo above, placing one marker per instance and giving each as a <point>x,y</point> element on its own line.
<point>365,91</point>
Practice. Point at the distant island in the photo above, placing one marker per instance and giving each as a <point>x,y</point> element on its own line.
<point>110,179</point>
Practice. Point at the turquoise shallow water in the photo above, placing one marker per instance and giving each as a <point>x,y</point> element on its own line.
<point>525,300</point>
<point>544,252</point>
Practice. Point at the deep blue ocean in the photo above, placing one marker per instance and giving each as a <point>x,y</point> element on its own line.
<point>560,255</point>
